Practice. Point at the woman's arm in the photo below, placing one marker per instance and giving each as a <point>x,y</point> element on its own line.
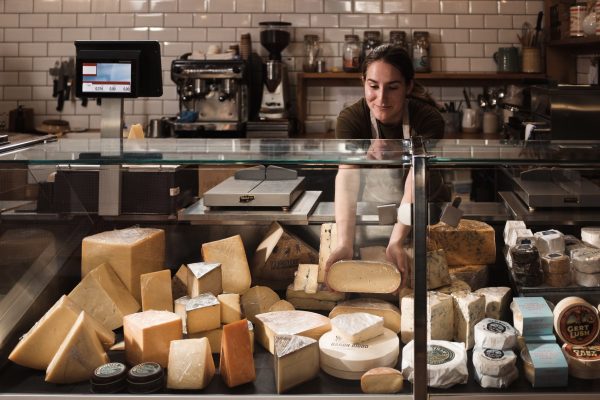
<point>395,249</point>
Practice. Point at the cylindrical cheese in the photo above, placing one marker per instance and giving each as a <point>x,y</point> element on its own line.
<point>495,334</point>
<point>576,321</point>
<point>586,280</point>
<point>556,263</point>
<point>494,362</point>
<point>558,280</point>
<point>591,235</point>
<point>584,361</point>
<point>586,260</point>
<point>497,382</point>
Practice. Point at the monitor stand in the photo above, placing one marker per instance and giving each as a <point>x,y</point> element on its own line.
<point>111,145</point>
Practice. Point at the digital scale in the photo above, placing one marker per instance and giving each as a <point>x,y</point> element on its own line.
<point>556,187</point>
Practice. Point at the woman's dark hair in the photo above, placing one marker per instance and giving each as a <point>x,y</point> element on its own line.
<point>398,58</point>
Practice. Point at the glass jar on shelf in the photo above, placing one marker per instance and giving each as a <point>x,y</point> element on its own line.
<point>372,39</point>
<point>420,52</point>
<point>398,38</point>
<point>312,50</point>
<point>351,54</point>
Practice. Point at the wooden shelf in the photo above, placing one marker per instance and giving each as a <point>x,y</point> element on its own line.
<point>578,43</point>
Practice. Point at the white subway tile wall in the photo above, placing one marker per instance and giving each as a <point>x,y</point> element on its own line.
<point>34,34</point>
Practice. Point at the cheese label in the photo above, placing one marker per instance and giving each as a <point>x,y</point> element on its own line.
<point>579,324</point>
<point>493,354</point>
<point>438,355</point>
<point>591,353</point>
<point>496,326</point>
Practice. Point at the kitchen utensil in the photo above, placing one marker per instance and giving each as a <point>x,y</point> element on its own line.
<point>532,60</point>
<point>467,100</point>
<point>507,59</point>
<point>538,28</point>
<point>452,214</point>
<point>469,120</point>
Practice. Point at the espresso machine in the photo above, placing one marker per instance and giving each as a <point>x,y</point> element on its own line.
<point>213,98</point>
<point>275,104</point>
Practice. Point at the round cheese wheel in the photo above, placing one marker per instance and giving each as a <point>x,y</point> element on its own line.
<point>446,363</point>
<point>586,280</point>
<point>342,355</point>
<point>591,235</point>
<point>498,382</point>
<point>586,260</point>
<point>584,361</point>
<point>495,334</point>
<point>349,375</point>
<point>576,321</point>
<point>494,362</point>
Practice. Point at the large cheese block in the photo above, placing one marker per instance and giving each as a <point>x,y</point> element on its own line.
<point>469,309</point>
<point>130,252</point>
<point>389,312</point>
<point>306,278</point>
<point>576,321</point>
<point>38,346</point>
<point>204,278</point>
<point>342,355</point>
<point>363,277</point>
<point>446,363</point>
<point>258,300</point>
<point>277,257</point>
<point>231,255</point>
<point>303,323</point>
<point>497,299</point>
<point>78,355</point>
<point>476,276</point>
<point>148,335</point>
<point>157,293</point>
<point>382,380</point>
<point>102,295</point>
<point>296,361</point>
<point>440,317</point>
<point>237,362</point>
<point>203,313</point>
<point>471,242</point>
<point>231,309</point>
<point>191,365</point>
<point>323,293</point>
<point>357,327</point>
<point>327,245</point>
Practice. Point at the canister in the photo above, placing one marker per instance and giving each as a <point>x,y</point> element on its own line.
<point>577,14</point>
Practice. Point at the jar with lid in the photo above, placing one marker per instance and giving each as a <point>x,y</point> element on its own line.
<point>312,49</point>
<point>398,38</point>
<point>351,56</point>
<point>372,39</point>
<point>420,51</point>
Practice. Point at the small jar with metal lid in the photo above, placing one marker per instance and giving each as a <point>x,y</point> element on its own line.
<point>372,39</point>
<point>398,38</point>
<point>351,55</point>
<point>577,13</point>
<point>420,50</point>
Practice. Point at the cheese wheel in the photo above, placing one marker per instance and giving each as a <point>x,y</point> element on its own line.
<point>348,375</point>
<point>363,277</point>
<point>495,334</point>
<point>389,312</point>
<point>494,362</point>
<point>591,235</point>
<point>576,321</point>
<point>584,361</point>
<point>586,260</point>
<point>446,363</point>
<point>498,382</point>
<point>586,280</point>
<point>558,280</point>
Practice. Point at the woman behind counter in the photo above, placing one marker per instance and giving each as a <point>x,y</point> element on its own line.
<point>394,107</point>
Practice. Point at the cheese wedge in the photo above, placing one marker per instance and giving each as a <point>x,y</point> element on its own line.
<point>214,337</point>
<point>389,312</point>
<point>231,310</point>
<point>78,355</point>
<point>204,278</point>
<point>296,361</point>
<point>203,313</point>
<point>179,282</point>
<point>38,346</point>
<point>327,246</point>
<point>258,300</point>
<point>237,362</point>
<point>191,365</point>
<point>363,277</point>
<point>231,255</point>
<point>156,291</point>
<point>306,278</point>
<point>357,327</point>
<point>136,132</point>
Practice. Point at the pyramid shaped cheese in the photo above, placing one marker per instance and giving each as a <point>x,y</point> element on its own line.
<point>296,361</point>
<point>157,293</point>
<point>237,362</point>
<point>38,346</point>
<point>191,365</point>
<point>130,252</point>
<point>78,355</point>
<point>231,255</point>
<point>102,295</point>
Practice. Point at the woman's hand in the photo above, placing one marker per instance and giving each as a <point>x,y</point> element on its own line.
<point>340,253</point>
<point>396,254</point>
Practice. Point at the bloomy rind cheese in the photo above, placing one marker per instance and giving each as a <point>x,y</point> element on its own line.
<point>550,241</point>
<point>494,362</point>
<point>495,334</point>
<point>591,235</point>
<point>382,380</point>
<point>357,327</point>
<point>363,277</point>
<point>446,363</point>
<point>471,242</point>
<point>230,253</point>
<point>496,382</point>
<point>389,312</point>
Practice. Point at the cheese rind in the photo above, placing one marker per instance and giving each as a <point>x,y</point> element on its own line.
<point>237,362</point>
<point>191,365</point>
<point>456,285</point>
<point>327,246</point>
<point>476,276</point>
<point>437,269</point>
<point>357,327</point>
<point>471,242</point>
<point>495,334</point>
<point>102,295</point>
<point>203,313</point>
<point>78,355</point>
<point>258,300</point>
<point>130,252</point>
<point>363,277</point>
<point>389,312</point>
<point>382,380</point>
<point>148,335</point>
<point>156,291</point>
<point>469,309</point>
<point>446,363</point>
<point>494,362</point>
<point>440,317</point>
<point>204,278</point>
<point>230,253</point>
<point>497,299</point>
<point>296,361</point>
<point>282,305</point>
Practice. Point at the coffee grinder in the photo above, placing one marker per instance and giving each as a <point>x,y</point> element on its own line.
<point>275,36</point>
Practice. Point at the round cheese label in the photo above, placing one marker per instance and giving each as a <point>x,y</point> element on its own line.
<point>437,355</point>
<point>579,324</point>
<point>591,353</point>
<point>496,326</point>
<point>493,354</point>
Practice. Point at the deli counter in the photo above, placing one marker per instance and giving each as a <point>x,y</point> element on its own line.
<point>56,194</point>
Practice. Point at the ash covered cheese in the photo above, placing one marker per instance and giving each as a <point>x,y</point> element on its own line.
<point>130,252</point>
<point>496,382</point>
<point>510,226</point>
<point>497,300</point>
<point>591,235</point>
<point>296,361</point>
<point>446,363</point>
<point>203,313</point>
<point>440,317</point>
<point>550,241</point>
<point>586,260</point>
<point>494,362</point>
<point>495,334</point>
<point>230,253</point>
<point>469,309</point>
<point>204,278</point>
<point>357,327</point>
<point>471,242</point>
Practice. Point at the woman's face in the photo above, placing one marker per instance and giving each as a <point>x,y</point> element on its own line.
<point>385,92</point>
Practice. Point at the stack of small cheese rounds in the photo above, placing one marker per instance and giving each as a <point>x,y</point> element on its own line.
<point>493,357</point>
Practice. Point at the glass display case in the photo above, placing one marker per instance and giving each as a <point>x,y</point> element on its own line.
<point>55,194</point>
